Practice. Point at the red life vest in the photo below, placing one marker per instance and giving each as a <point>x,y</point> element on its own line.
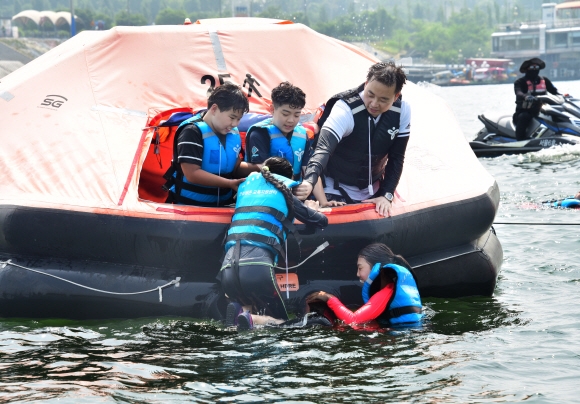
<point>537,89</point>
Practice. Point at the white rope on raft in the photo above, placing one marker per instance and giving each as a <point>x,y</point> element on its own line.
<point>158,288</point>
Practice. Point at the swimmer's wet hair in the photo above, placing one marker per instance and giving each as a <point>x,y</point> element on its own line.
<point>381,253</point>
<point>280,166</point>
<point>286,93</point>
<point>229,96</point>
<point>388,74</point>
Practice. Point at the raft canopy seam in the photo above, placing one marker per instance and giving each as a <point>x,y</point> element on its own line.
<point>103,108</point>
<point>158,288</point>
<point>5,95</point>
<point>217,50</point>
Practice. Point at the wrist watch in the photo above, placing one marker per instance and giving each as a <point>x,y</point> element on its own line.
<point>389,196</point>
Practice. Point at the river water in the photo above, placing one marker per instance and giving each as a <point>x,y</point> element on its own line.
<point>521,344</point>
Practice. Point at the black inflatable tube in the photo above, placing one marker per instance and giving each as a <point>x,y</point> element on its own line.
<point>111,252</point>
<point>461,271</point>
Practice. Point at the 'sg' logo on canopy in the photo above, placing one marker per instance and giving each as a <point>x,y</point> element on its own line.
<point>53,101</point>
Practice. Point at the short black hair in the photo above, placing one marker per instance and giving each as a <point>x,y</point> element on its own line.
<point>286,93</point>
<point>228,96</point>
<point>388,74</point>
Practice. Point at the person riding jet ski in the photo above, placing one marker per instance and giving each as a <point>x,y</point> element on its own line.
<point>527,88</point>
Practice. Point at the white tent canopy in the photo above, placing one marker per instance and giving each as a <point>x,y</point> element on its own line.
<point>38,17</point>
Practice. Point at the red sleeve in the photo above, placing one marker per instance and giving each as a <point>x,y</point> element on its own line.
<point>370,311</point>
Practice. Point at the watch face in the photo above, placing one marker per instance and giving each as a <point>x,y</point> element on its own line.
<point>389,196</point>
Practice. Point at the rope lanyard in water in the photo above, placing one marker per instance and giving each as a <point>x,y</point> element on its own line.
<point>318,249</point>
<point>158,288</point>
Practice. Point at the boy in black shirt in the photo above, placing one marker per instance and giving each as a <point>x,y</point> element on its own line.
<point>207,151</point>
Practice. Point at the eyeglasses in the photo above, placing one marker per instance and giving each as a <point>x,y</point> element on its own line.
<point>534,67</point>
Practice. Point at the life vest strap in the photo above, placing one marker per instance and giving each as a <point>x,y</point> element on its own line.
<point>400,311</point>
<point>344,194</point>
<point>278,215</point>
<point>203,190</point>
<point>271,241</point>
<point>261,223</point>
<point>169,178</point>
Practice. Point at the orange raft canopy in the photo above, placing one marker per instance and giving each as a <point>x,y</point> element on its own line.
<point>80,177</point>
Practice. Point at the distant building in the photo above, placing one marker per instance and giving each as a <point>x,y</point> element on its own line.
<point>39,18</point>
<point>5,27</point>
<point>241,8</point>
<point>555,39</point>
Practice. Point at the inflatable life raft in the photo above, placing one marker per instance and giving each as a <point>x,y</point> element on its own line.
<point>85,232</point>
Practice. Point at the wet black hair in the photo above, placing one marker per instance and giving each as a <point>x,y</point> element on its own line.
<point>388,74</point>
<point>286,93</point>
<point>280,166</point>
<point>381,253</point>
<point>228,96</point>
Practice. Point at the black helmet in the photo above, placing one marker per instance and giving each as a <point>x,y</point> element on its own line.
<point>533,61</point>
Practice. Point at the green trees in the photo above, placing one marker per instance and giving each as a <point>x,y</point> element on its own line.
<point>277,12</point>
<point>368,25</point>
<point>438,30</point>
<point>126,18</point>
<point>451,36</point>
<point>464,35</point>
<point>168,16</point>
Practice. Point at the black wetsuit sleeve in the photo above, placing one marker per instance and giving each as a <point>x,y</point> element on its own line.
<point>307,153</point>
<point>327,142</point>
<point>550,87</point>
<point>394,167</point>
<point>308,216</point>
<point>258,145</point>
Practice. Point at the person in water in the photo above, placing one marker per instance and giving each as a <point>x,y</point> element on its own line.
<point>577,196</point>
<point>360,128</point>
<point>389,290</point>
<point>256,239</point>
<point>206,152</point>
<point>527,88</point>
<point>284,136</point>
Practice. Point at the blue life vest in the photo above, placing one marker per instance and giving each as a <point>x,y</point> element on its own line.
<point>405,304</point>
<point>196,117</point>
<point>292,151</point>
<point>569,203</point>
<point>261,215</point>
<point>217,159</point>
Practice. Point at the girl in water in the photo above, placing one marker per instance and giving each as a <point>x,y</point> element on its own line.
<point>389,290</point>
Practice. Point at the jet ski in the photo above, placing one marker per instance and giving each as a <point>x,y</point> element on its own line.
<point>558,123</point>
